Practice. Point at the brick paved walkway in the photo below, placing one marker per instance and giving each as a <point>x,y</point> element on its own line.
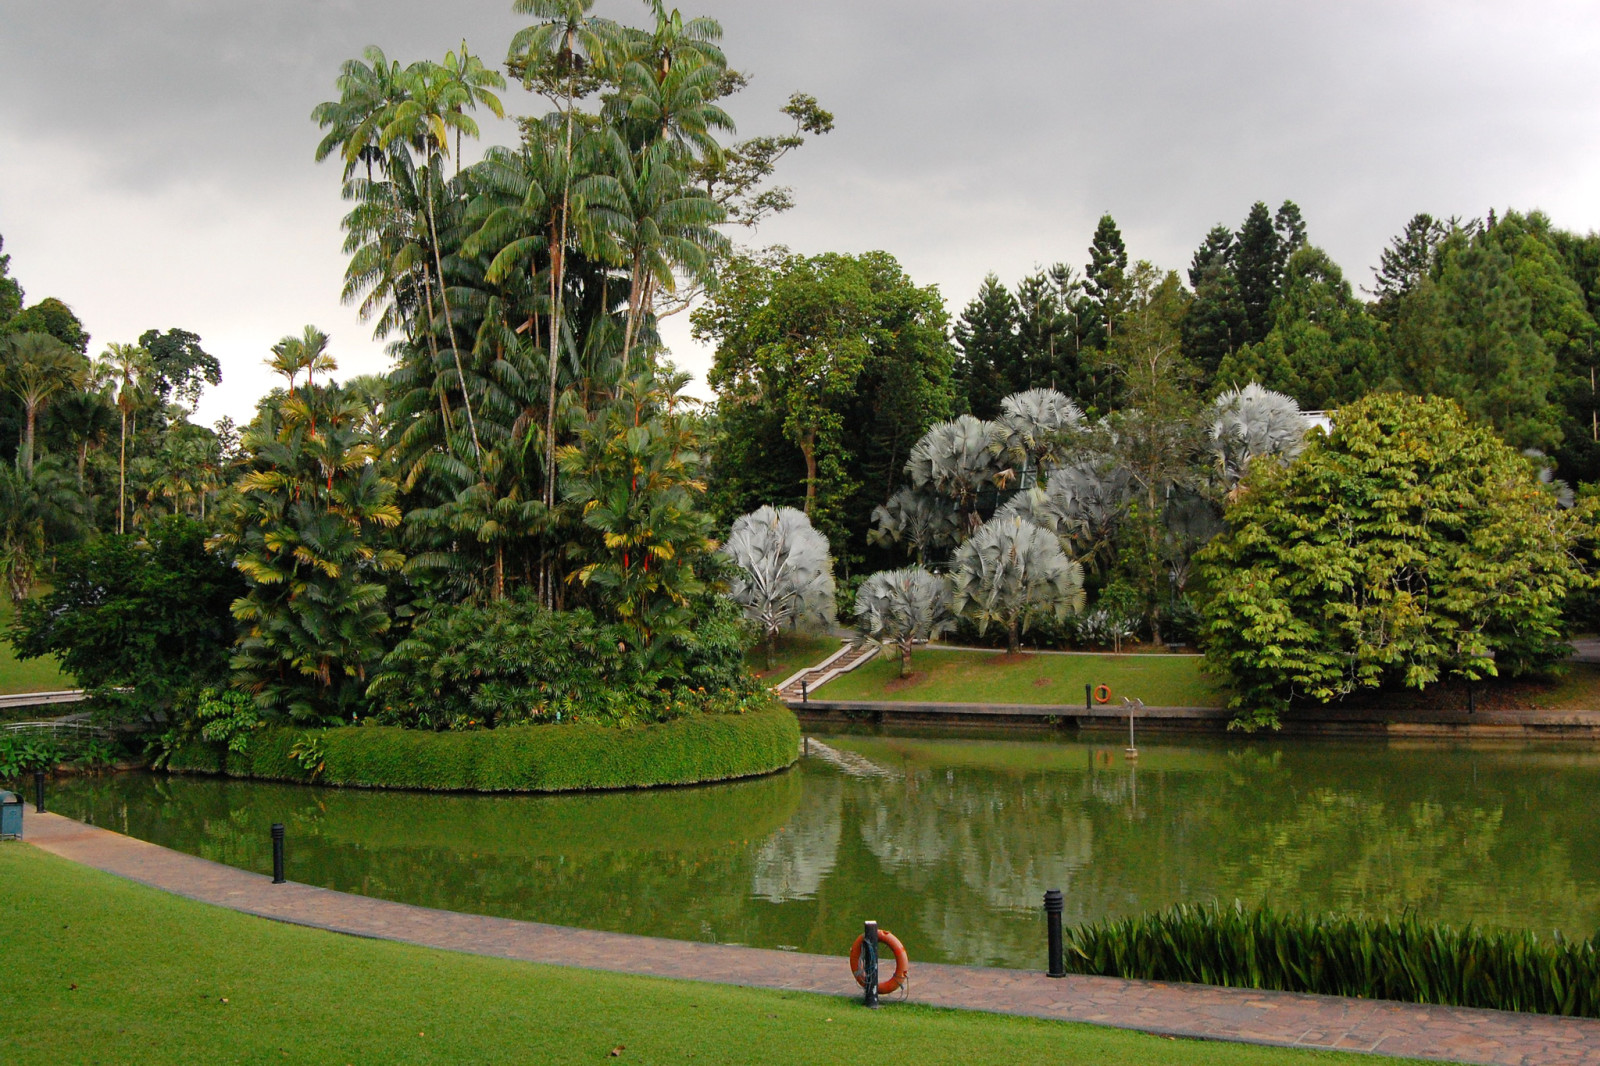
<point>1443,1033</point>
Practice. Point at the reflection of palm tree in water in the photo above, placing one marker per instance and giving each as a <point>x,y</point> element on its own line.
<point>794,861</point>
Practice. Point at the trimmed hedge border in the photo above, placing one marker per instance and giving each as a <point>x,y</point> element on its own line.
<point>542,758</point>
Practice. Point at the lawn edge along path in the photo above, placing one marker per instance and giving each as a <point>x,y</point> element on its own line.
<point>1247,1016</point>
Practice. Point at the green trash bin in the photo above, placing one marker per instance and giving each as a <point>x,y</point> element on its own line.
<point>10,815</point>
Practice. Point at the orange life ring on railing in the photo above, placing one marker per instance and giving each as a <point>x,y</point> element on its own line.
<point>1102,694</point>
<point>902,966</point>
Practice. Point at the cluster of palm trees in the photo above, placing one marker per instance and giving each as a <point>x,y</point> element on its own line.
<point>161,465</point>
<point>522,290</point>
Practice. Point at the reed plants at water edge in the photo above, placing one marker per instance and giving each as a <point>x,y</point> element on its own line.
<point>1398,958</point>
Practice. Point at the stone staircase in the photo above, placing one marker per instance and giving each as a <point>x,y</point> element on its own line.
<point>844,660</point>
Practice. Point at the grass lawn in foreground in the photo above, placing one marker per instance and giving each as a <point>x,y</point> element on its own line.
<point>34,675</point>
<point>99,969</point>
<point>795,652</point>
<point>959,676</point>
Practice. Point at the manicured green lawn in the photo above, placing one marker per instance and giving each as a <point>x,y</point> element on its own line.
<point>98,969</point>
<point>35,675</point>
<point>795,652</point>
<point>989,677</point>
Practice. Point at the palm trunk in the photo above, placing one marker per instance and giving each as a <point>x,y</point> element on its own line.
<point>905,659</point>
<point>83,458</point>
<point>27,442</point>
<point>1013,645</point>
<point>634,302</point>
<point>122,478</point>
<point>450,327</point>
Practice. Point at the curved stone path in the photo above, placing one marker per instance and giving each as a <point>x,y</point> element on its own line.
<point>1279,1018</point>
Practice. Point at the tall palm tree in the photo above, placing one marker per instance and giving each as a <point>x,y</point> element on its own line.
<point>567,41</point>
<point>126,368</point>
<point>87,416</point>
<point>471,81</point>
<point>34,367</point>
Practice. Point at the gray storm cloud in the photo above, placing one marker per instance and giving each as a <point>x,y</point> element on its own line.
<point>156,170</point>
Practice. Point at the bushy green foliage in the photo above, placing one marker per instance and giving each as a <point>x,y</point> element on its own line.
<point>1409,546</point>
<point>1399,958</point>
<point>22,752</point>
<point>515,662</point>
<point>700,747</point>
<point>142,622</point>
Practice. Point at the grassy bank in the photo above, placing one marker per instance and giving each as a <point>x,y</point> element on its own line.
<point>794,653</point>
<point>989,677</point>
<point>105,970</point>
<point>545,758</point>
<point>34,675</point>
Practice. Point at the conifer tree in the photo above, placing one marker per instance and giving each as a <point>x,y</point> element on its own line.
<point>1105,280</point>
<point>1214,325</point>
<point>986,338</point>
<point>1408,259</point>
<point>1258,265</point>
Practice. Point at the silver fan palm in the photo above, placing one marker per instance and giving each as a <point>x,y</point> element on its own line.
<point>1034,431</point>
<point>920,520</point>
<point>1253,423</point>
<point>1082,504</point>
<point>954,459</point>
<point>900,607</point>
<point>1011,572</point>
<point>785,575</point>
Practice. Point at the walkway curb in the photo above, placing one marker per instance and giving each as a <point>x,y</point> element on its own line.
<point>1199,1011</point>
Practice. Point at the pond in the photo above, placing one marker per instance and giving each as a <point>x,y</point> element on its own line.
<point>949,841</point>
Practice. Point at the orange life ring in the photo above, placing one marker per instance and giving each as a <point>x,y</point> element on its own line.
<point>902,966</point>
<point>1102,694</point>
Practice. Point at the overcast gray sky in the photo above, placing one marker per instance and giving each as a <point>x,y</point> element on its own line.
<point>156,170</point>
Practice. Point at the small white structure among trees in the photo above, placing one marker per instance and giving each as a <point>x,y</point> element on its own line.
<point>785,575</point>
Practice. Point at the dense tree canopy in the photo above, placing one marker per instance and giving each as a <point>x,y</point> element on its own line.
<point>1409,546</point>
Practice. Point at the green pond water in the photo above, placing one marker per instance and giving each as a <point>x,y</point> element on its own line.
<point>948,841</point>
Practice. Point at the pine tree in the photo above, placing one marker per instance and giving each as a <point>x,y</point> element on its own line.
<point>1105,280</point>
<point>1408,259</point>
<point>986,337</point>
<point>1214,325</point>
<point>1291,230</point>
<point>1258,265</point>
<point>1045,355</point>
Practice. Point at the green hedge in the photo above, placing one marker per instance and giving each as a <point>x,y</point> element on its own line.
<point>543,758</point>
<point>1402,958</point>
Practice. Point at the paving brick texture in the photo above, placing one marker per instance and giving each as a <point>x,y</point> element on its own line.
<point>1277,1018</point>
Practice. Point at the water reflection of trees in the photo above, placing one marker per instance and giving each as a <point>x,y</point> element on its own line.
<point>954,854</point>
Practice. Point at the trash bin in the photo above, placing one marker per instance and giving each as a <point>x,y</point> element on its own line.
<point>10,815</point>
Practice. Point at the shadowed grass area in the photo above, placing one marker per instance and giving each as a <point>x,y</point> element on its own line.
<point>34,675</point>
<point>105,970</point>
<point>989,677</point>
<point>795,652</point>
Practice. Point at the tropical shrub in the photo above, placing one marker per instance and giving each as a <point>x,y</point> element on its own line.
<point>143,623</point>
<point>785,574</point>
<point>1396,958</point>
<point>1409,546</point>
<point>900,607</point>
<point>23,752</point>
<point>516,662</point>
<point>308,529</point>
<point>1011,572</point>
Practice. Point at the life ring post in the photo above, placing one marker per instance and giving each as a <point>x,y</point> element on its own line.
<point>869,965</point>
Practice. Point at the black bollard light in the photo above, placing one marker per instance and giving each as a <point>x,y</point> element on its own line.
<point>805,691</point>
<point>869,964</point>
<point>38,792</point>
<point>1086,696</point>
<point>277,853</point>
<point>1054,904</point>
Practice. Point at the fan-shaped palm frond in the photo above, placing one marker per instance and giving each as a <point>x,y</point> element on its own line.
<point>900,607</point>
<point>1011,572</point>
<point>1034,431</point>
<point>785,575</point>
<point>1251,423</point>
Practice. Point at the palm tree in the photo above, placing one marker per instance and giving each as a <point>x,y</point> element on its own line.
<point>471,82</point>
<point>87,416</point>
<point>1252,423</point>
<point>308,352</point>
<point>1011,572</point>
<point>921,520</point>
<point>955,460</point>
<point>126,368</point>
<point>1033,431</point>
<point>35,367</point>
<point>567,42</point>
<point>1083,504</point>
<point>900,607</point>
<point>785,575</point>
<point>35,512</point>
